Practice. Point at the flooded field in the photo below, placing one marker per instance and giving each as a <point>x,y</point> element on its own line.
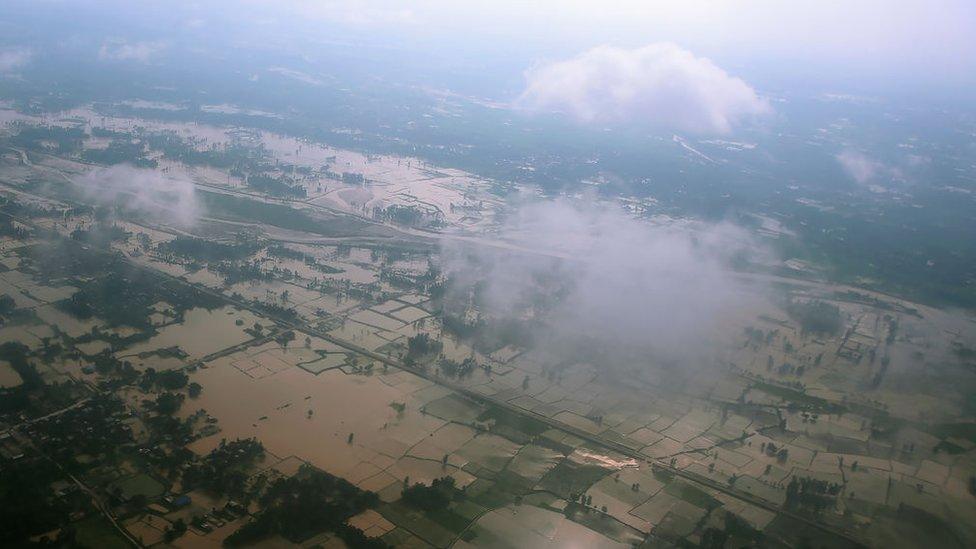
<point>459,198</point>
<point>534,527</point>
<point>297,413</point>
<point>549,441</point>
<point>201,333</point>
<point>8,376</point>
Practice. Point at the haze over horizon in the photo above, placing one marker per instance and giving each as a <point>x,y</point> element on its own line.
<point>900,50</point>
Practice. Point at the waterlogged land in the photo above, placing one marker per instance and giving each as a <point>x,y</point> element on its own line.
<point>298,334</point>
<point>315,175</point>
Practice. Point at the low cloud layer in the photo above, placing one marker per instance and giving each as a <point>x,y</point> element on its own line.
<point>865,170</point>
<point>13,58</point>
<point>607,278</point>
<point>659,85</point>
<point>146,193</point>
<point>120,50</point>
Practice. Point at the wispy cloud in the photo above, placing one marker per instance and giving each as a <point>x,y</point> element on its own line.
<point>864,169</point>
<point>659,85</point>
<point>122,50</point>
<point>607,278</point>
<point>148,193</point>
<point>13,58</point>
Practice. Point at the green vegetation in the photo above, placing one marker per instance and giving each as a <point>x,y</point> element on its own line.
<point>234,157</point>
<point>16,399</point>
<point>101,235</point>
<point>119,299</point>
<point>97,532</point>
<point>7,227</point>
<point>207,250</point>
<point>109,288</point>
<point>963,352</point>
<point>816,317</point>
<point>168,404</point>
<point>279,215</point>
<point>28,508</point>
<point>234,272</point>
<point>7,305</point>
<point>422,345</point>
<point>799,399</point>
<point>453,368</point>
<point>692,494</point>
<point>305,504</point>
<point>569,479</point>
<point>736,530</point>
<point>123,151</point>
<point>141,486</point>
<point>517,427</point>
<point>490,336</point>
<point>225,469</point>
<point>90,429</point>
<point>169,380</point>
<point>54,138</point>
<point>59,259</point>
<point>960,430</point>
<point>276,186</point>
<point>435,497</point>
<point>277,250</point>
<point>408,216</point>
<point>810,494</point>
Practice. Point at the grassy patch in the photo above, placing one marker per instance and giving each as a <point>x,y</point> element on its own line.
<point>692,495</point>
<point>280,215</point>
<point>493,497</point>
<point>141,484</point>
<point>600,522</point>
<point>424,526</point>
<point>449,519</point>
<point>513,482</point>
<point>515,427</point>
<point>799,397</point>
<point>97,532</point>
<point>965,431</point>
<point>568,478</point>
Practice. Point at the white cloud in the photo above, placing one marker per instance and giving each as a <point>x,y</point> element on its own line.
<point>148,193</point>
<point>13,58</point>
<point>609,277</point>
<point>120,50</point>
<point>858,166</point>
<point>660,85</point>
<point>864,169</point>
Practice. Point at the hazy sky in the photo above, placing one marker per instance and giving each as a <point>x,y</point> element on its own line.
<point>923,40</point>
<point>856,46</point>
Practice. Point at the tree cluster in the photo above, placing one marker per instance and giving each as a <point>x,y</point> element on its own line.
<point>435,497</point>
<point>300,506</point>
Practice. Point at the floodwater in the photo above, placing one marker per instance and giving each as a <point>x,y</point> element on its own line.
<point>201,333</point>
<point>351,272</point>
<point>65,322</point>
<point>19,334</point>
<point>275,409</point>
<point>8,376</point>
<point>528,526</point>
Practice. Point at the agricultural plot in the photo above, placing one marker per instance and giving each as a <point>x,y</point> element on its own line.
<point>529,526</point>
